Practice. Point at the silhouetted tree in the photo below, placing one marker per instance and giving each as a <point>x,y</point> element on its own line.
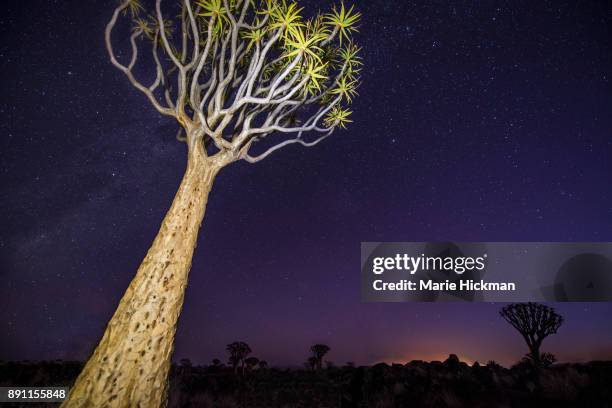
<point>238,351</point>
<point>311,363</point>
<point>492,364</point>
<point>184,366</point>
<point>318,352</point>
<point>233,361</point>
<point>263,364</point>
<point>535,322</point>
<point>216,365</point>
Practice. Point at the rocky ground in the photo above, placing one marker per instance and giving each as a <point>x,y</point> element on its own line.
<point>417,384</point>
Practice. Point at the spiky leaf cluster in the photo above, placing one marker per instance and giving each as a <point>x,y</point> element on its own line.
<point>343,20</point>
<point>255,61</point>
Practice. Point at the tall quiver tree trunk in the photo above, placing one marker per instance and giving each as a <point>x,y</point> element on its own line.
<point>130,365</point>
<point>534,352</point>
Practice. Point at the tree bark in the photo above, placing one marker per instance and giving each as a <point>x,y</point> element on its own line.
<point>534,351</point>
<point>130,365</point>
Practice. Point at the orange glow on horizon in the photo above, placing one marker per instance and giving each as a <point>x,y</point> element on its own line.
<point>429,357</point>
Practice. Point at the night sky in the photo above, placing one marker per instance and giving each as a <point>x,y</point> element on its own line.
<point>476,120</point>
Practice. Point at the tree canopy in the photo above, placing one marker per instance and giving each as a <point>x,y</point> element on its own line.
<point>233,72</point>
<point>534,322</point>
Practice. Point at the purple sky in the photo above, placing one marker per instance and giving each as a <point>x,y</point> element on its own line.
<point>475,121</point>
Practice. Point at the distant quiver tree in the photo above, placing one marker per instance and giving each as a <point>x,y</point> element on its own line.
<point>534,322</point>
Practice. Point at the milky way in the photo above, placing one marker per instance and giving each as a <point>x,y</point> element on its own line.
<point>475,121</point>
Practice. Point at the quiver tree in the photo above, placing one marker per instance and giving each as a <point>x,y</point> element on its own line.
<point>318,352</point>
<point>237,351</point>
<point>535,322</point>
<point>185,366</point>
<point>242,79</point>
<point>311,363</point>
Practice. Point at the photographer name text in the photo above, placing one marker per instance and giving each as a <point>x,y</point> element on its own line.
<point>432,266</point>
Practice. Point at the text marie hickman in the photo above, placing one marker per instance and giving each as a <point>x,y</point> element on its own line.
<point>412,264</point>
<point>446,286</point>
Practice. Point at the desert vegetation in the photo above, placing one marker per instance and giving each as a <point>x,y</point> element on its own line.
<point>245,380</point>
<point>449,383</point>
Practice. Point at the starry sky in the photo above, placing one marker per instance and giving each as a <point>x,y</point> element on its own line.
<point>476,120</point>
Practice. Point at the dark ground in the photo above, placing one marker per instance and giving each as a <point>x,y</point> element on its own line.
<point>417,384</point>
